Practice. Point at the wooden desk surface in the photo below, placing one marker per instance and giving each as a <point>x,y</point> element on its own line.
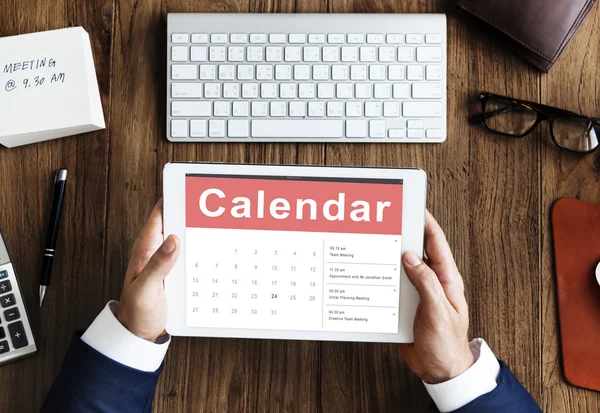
<point>492,195</point>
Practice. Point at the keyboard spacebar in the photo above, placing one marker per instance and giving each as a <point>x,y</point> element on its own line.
<point>308,128</point>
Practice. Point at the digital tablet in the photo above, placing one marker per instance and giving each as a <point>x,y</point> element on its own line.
<point>293,252</point>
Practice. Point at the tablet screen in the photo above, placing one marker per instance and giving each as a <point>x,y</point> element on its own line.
<point>293,253</point>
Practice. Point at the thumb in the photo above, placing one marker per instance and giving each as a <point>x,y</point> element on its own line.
<point>423,278</point>
<point>163,260</point>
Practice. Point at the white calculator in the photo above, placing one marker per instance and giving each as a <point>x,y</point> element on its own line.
<point>16,336</point>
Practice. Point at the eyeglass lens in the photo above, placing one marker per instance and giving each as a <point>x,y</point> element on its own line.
<point>507,117</point>
<point>576,134</point>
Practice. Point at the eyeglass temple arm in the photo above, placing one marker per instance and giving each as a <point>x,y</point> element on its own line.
<point>481,117</point>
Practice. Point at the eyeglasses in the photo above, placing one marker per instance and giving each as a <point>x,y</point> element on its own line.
<point>518,118</point>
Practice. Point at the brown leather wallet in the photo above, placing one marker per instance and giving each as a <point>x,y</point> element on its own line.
<point>537,30</point>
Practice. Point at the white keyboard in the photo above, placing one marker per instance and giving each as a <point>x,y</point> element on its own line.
<point>306,78</point>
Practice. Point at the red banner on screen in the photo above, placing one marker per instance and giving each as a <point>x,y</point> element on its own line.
<point>294,205</point>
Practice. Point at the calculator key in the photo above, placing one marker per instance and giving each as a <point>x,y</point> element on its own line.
<point>3,274</point>
<point>4,347</point>
<point>2,333</point>
<point>5,287</point>
<point>7,300</point>
<point>17,335</point>
<point>179,38</point>
<point>12,314</point>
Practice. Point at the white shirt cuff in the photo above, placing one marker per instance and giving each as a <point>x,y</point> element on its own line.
<point>478,380</point>
<point>109,337</point>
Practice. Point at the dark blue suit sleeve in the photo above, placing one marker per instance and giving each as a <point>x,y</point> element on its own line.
<point>91,382</point>
<point>508,397</point>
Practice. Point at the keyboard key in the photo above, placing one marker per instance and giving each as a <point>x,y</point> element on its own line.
<point>377,72</point>
<point>179,128</point>
<point>321,72</point>
<point>184,72</point>
<point>179,38</point>
<point>238,38</point>
<point>331,54</point>
<point>212,90</point>
<point>434,133</point>
<point>268,90</point>
<point>391,109</point>
<point>226,72</point>
<point>283,72</point>
<point>373,109</point>
<point>198,53</point>
<point>274,54</point>
<point>356,128</point>
<point>339,72</point>
<point>401,91</point>
<point>208,72</point>
<point>216,54</point>
<point>191,109</point>
<point>349,54</point>
<point>363,90</point>
<point>386,54</point>
<point>356,38</point>
<point>249,90</point>
<point>429,54</point>
<point>312,54</point>
<point>344,90</point>
<point>301,72</point>
<point>240,108</point>
<point>383,91</point>
<point>7,300</point>
<point>278,109</point>
<point>396,72</point>
<point>306,90</point>
<point>297,109</point>
<point>433,38</point>
<point>259,108</point>
<point>353,109</point>
<point>235,53</point>
<point>325,90</point>
<point>179,53</point>
<point>406,54</point>
<point>293,54</point>
<point>336,38</point>
<point>377,129</point>
<point>198,128</point>
<point>309,128</point>
<point>238,128</point>
<point>374,38</point>
<point>316,38</point>
<point>218,38</point>
<point>231,90</point>
<point>414,38</point>
<point>394,38</point>
<point>4,347</point>
<point>335,109</point>
<point>2,333</point>
<point>434,72</point>
<point>216,128</point>
<point>415,124</point>
<point>258,38</point>
<point>316,109</point>
<point>296,38</point>
<point>287,90</point>
<point>254,54</point>
<point>368,54</point>
<point>397,133</point>
<point>278,38</point>
<point>426,90</point>
<point>245,72</point>
<point>358,72</point>
<point>415,133</point>
<point>221,109</point>
<point>199,38</point>
<point>17,335</point>
<point>264,72</point>
<point>5,287</point>
<point>3,274</point>
<point>422,109</point>
<point>415,72</point>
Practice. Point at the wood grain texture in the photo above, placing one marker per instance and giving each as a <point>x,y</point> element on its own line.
<point>492,195</point>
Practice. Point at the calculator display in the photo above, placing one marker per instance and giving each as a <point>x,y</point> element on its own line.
<point>293,253</point>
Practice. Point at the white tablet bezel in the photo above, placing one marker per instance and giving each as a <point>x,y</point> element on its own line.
<point>413,213</point>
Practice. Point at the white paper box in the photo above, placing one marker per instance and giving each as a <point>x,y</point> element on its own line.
<point>48,87</point>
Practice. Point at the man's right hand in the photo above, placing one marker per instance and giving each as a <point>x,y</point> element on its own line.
<point>441,348</point>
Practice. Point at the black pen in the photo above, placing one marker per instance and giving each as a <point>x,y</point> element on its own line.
<point>60,180</point>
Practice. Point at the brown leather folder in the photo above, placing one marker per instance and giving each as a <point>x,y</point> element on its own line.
<point>576,230</point>
<point>537,30</point>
